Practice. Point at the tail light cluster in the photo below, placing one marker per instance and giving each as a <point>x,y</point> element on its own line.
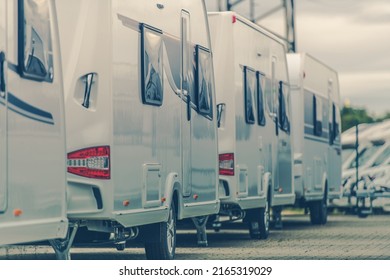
<point>91,162</point>
<point>226,164</point>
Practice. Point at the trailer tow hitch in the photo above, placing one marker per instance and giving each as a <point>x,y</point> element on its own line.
<point>122,235</point>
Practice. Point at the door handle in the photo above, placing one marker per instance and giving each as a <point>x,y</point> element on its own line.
<point>2,72</point>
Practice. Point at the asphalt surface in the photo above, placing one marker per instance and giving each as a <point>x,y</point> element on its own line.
<point>344,237</point>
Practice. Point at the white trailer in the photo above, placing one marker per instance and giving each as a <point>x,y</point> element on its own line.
<point>32,128</point>
<point>370,170</point>
<point>371,139</point>
<point>141,123</point>
<point>254,137</point>
<point>316,125</point>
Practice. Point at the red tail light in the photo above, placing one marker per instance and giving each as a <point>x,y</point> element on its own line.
<point>90,162</point>
<point>226,164</point>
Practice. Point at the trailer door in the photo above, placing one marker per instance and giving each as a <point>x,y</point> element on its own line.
<point>275,135</point>
<point>199,143</point>
<point>285,156</point>
<point>3,109</point>
<point>186,88</point>
<point>282,153</point>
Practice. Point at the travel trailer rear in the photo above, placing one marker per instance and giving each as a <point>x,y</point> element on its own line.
<point>254,136</point>
<point>142,134</point>
<point>316,125</point>
<point>32,128</point>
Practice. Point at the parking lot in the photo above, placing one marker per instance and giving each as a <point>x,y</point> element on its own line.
<point>344,237</point>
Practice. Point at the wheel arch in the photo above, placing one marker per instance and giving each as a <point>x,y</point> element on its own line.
<point>172,192</point>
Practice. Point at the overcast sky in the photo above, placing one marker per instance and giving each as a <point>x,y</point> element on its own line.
<point>352,36</point>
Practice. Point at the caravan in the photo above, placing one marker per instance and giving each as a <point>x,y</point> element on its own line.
<point>366,147</point>
<point>32,128</point>
<point>141,124</point>
<point>371,140</point>
<point>316,125</point>
<point>254,136</point>
<point>369,169</point>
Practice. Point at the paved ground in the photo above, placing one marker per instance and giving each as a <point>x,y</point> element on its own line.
<point>343,238</point>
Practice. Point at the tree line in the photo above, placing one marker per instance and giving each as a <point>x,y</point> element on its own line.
<point>352,116</point>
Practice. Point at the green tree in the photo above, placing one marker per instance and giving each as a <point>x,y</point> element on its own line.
<point>353,116</point>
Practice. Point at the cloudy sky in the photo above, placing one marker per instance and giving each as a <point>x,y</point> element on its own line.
<point>352,36</point>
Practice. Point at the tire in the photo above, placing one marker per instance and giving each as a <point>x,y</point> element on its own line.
<point>319,212</point>
<point>264,221</point>
<point>260,223</point>
<point>163,246</point>
<point>361,214</point>
<point>362,210</point>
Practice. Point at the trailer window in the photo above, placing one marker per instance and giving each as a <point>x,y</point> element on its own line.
<point>250,87</point>
<point>35,53</point>
<point>260,101</point>
<point>317,115</point>
<point>283,118</point>
<point>204,79</point>
<point>151,66</point>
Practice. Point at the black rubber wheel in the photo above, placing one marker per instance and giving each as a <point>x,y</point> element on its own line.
<point>361,214</point>
<point>319,212</point>
<point>260,222</point>
<point>121,246</point>
<point>362,210</point>
<point>163,245</point>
